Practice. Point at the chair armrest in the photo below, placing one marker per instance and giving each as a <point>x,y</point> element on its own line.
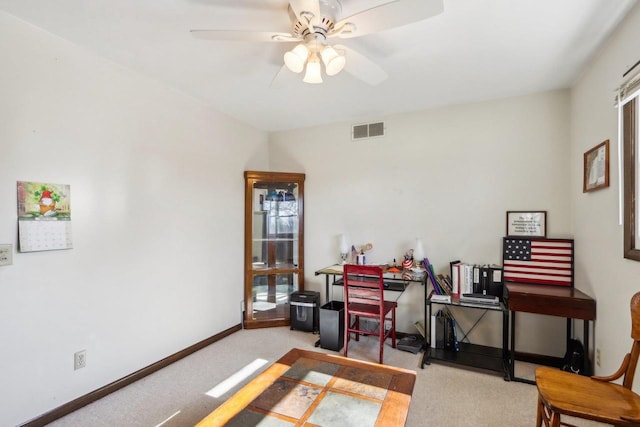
<point>618,373</point>
<point>629,418</point>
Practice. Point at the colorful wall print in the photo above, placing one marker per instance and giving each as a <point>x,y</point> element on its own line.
<point>44,216</point>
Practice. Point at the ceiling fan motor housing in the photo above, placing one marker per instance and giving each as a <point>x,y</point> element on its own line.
<point>321,25</point>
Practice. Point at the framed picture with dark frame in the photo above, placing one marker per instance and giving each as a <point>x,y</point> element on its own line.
<point>596,167</point>
<point>527,223</point>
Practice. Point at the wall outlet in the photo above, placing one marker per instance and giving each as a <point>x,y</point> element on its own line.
<point>598,357</point>
<point>79,359</point>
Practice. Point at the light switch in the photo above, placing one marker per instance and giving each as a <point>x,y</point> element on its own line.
<point>6,255</point>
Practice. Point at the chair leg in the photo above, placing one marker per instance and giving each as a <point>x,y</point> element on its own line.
<point>539,412</point>
<point>381,338</point>
<point>347,335</point>
<point>393,328</point>
<point>357,327</point>
<point>546,415</point>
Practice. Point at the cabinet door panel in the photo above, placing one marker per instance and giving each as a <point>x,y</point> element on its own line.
<point>274,262</point>
<point>270,295</point>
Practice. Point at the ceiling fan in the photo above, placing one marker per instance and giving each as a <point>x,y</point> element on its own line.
<point>314,22</point>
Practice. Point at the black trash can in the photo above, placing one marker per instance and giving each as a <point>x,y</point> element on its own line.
<point>332,325</point>
<point>303,312</point>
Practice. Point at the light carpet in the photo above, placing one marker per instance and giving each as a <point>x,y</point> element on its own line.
<point>443,395</point>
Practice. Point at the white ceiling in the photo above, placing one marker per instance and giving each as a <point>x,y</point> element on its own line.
<point>476,50</point>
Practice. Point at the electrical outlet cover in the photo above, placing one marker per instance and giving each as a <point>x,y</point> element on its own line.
<point>79,359</point>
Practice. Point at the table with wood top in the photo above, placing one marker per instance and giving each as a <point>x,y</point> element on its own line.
<point>310,388</point>
<point>562,301</point>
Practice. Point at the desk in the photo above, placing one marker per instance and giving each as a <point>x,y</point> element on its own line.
<point>553,301</point>
<point>394,282</point>
<point>331,271</point>
<point>397,282</point>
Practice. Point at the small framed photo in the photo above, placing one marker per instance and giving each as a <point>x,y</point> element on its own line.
<point>596,167</point>
<point>527,223</point>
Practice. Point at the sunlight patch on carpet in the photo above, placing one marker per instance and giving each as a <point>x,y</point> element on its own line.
<point>236,378</point>
<point>168,419</point>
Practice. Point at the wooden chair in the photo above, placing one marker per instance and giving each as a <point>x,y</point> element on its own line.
<point>593,398</point>
<point>364,297</point>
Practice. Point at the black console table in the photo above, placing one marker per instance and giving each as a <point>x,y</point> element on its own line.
<point>472,355</point>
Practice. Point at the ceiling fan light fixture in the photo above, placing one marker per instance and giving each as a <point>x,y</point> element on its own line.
<point>333,61</point>
<point>296,57</point>
<point>313,73</point>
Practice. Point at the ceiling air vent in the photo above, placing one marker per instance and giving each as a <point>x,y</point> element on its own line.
<point>368,130</point>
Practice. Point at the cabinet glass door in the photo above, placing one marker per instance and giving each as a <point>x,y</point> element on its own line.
<point>273,254</point>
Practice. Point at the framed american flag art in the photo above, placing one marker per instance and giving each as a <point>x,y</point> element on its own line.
<point>538,260</point>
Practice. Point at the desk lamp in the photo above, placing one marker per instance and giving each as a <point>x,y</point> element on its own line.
<point>418,254</point>
<point>344,248</point>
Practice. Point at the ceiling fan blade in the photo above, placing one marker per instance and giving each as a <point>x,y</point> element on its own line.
<point>299,6</point>
<point>244,36</point>
<point>386,16</point>
<point>361,67</point>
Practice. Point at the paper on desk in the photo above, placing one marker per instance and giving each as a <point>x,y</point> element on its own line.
<point>335,269</point>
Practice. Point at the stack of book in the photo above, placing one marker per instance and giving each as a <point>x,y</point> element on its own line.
<point>440,298</point>
<point>441,284</point>
<point>480,299</point>
<point>476,279</point>
<point>465,279</point>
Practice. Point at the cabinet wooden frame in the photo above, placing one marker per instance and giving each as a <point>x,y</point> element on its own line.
<point>630,130</point>
<point>271,269</point>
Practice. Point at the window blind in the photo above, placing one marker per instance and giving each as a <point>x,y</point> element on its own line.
<point>629,90</point>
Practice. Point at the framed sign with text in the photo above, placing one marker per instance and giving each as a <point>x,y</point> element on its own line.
<point>527,223</point>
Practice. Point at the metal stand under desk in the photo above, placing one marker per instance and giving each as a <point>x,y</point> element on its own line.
<point>472,355</point>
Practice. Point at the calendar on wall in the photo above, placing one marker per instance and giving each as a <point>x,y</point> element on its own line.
<point>44,216</point>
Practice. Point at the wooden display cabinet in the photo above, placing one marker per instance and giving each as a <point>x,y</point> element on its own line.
<point>273,246</point>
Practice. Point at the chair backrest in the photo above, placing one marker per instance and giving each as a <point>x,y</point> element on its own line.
<point>635,335</point>
<point>363,284</point>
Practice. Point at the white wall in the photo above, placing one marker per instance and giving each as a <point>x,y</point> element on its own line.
<point>156,187</point>
<point>447,176</point>
<point>601,269</point>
